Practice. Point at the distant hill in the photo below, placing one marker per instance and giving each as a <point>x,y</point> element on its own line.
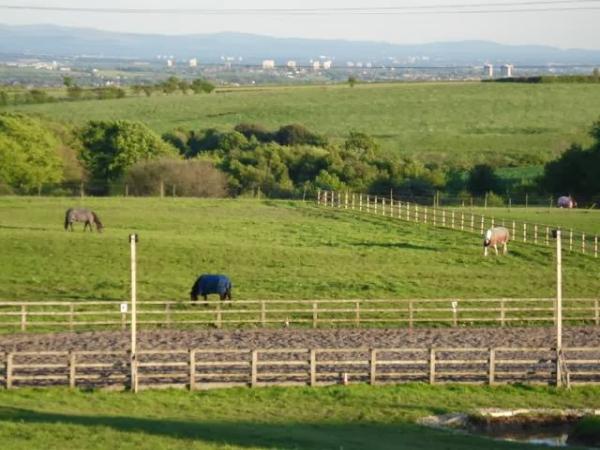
<point>50,40</point>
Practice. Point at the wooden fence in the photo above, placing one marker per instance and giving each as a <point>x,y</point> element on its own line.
<point>531,233</point>
<point>55,316</point>
<point>211,368</point>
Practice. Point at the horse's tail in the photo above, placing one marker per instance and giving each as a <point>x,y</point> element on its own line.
<point>99,225</point>
<point>67,214</point>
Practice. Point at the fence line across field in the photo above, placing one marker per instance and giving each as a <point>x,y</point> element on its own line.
<point>35,315</point>
<point>211,368</point>
<point>457,219</point>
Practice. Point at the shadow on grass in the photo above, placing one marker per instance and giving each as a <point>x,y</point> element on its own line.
<point>267,435</point>
<point>405,245</point>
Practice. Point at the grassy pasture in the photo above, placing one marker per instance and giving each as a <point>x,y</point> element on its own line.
<point>434,121</point>
<point>271,249</point>
<point>355,417</point>
<point>584,220</point>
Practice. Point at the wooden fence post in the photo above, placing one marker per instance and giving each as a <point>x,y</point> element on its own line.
<point>219,318</point>
<point>408,211</point>
<point>318,196</point>
<point>168,314</point>
<point>72,369</point>
<point>23,317</point>
<point>492,367</point>
<point>432,366</point>
<point>462,221</point>
<point>524,232</point>
<point>360,202</point>
<point>383,206</point>
<point>373,367</point>
<point>473,222</point>
<point>571,240</point>
<point>582,242</point>
<point>263,313</point>
<point>8,371</point>
<point>357,314</point>
<point>313,368</point>
<point>315,314</point>
<point>254,368</point>
<point>376,201</point>
<point>535,234</point>
<point>425,215</point>
<point>192,363</point>
<point>353,200</point>
<point>416,212</point>
<point>547,236</point>
<point>346,200</point>
<point>482,219</point>
<point>71,313</point>
<point>367,203</point>
<point>443,217</point>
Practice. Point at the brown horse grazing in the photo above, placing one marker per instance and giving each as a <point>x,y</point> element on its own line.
<point>495,236</point>
<point>82,215</point>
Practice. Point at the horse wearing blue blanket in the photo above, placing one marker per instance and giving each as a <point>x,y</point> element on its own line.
<point>211,284</point>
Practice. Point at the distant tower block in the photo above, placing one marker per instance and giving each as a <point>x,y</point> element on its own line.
<point>327,65</point>
<point>291,64</point>
<point>316,65</point>
<point>193,62</point>
<point>488,70</point>
<point>268,64</point>
<point>170,63</point>
<point>507,70</point>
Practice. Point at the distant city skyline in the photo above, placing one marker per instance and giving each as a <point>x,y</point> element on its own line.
<point>573,23</point>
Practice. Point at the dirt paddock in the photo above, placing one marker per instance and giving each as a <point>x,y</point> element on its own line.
<point>297,338</point>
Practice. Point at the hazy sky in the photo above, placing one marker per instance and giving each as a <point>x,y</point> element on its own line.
<point>559,28</point>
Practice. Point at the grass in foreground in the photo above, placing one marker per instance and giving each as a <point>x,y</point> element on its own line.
<point>459,122</point>
<point>271,249</point>
<point>355,417</point>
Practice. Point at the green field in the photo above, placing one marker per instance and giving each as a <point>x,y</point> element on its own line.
<point>455,122</point>
<point>271,249</point>
<point>355,417</point>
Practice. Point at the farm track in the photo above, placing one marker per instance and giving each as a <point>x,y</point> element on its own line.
<point>296,338</point>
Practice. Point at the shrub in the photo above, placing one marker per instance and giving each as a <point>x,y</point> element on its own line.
<point>191,178</point>
<point>250,130</point>
<point>296,134</point>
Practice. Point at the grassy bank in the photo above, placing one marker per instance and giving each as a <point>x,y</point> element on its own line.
<point>523,124</point>
<point>354,417</point>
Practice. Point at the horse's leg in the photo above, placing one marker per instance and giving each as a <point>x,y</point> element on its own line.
<point>485,251</point>
<point>505,248</point>
<point>496,249</point>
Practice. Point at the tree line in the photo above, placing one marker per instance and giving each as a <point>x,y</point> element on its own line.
<point>249,157</point>
<point>74,92</point>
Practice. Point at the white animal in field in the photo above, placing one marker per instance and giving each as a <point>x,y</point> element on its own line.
<point>494,237</point>
<point>566,202</point>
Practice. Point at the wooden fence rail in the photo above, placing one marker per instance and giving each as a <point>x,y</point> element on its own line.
<point>210,368</point>
<point>538,234</point>
<point>32,316</point>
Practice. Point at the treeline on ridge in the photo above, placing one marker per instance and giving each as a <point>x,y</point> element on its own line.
<point>284,162</point>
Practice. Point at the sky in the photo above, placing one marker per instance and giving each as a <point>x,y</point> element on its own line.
<point>564,29</point>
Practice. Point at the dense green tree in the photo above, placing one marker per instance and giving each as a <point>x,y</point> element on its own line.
<point>482,179</point>
<point>202,86</point>
<point>296,134</point>
<point>352,81</point>
<point>28,152</point>
<point>109,147</point>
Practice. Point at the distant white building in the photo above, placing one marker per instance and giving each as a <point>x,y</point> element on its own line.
<point>268,64</point>
<point>316,65</point>
<point>327,64</point>
<point>291,64</point>
<point>507,70</point>
<point>488,70</point>
<point>193,62</point>
<point>170,63</point>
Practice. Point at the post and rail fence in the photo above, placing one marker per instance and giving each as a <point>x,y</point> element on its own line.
<point>457,219</point>
<point>24,316</point>
<point>201,368</point>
